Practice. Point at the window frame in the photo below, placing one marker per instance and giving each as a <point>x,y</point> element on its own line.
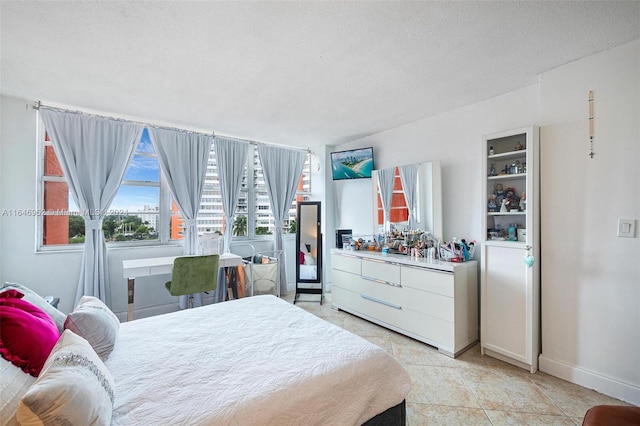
<point>164,210</point>
<point>163,207</point>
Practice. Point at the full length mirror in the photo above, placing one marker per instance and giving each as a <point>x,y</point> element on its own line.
<point>309,249</point>
<point>423,184</point>
<point>307,241</point>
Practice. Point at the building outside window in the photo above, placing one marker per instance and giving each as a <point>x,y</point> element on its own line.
<point>143,211</point>
<point>399,211</point>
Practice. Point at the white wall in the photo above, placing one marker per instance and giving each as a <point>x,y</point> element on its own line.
<point>590,277</point>
<point>57,273</point>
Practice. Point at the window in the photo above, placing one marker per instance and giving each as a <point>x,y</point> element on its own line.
<point>136,206</point>
<point>143,211</point>
<point>135,215</point>
<point>399,211</point>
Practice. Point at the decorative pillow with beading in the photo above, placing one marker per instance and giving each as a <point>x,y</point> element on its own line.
<point>74,387</point>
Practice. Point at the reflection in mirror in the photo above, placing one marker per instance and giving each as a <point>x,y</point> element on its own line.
<point>308,248</point>
<point>427,210</point>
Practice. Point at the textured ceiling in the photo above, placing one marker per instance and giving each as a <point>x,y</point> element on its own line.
<point>295,73</point>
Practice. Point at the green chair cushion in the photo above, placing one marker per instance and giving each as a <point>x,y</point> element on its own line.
<point>193,274</point>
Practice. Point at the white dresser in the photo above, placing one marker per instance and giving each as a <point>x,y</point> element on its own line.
<point>431,301</point>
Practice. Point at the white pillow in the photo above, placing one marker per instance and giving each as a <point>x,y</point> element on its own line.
<point>14,383</point>
<point>74,387</point>
<point>309,260</point>
<point>94,321</point>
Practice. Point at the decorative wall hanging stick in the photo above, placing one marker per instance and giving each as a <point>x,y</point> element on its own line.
<point>591,153</point>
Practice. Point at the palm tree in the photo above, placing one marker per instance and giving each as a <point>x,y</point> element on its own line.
<point>240,226</point>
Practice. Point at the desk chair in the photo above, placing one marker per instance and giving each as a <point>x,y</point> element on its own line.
<point>193,274</point>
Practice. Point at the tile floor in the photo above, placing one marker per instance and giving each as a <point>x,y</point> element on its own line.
<point>471,389</point>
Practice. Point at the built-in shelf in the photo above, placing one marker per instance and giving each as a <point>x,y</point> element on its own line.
<point>508,176</point>
<point>508,155</point>
<point>510,287</point>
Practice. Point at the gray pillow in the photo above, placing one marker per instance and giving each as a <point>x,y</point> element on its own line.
<point>35,299</point>
<point>95,322</point>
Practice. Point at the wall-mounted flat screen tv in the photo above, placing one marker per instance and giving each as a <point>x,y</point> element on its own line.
<point>352,164</point>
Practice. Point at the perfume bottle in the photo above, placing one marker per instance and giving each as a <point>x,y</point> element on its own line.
<point>490,150</point>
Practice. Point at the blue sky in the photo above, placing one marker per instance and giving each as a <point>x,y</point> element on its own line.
<point>141,168</point>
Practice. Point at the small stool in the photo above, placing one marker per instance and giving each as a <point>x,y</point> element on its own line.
<point>609,415</point>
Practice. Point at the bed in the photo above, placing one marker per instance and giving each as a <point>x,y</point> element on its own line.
<point>254,360</point>
<point>307,264</point>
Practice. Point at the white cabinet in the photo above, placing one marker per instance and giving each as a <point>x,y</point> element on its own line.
<point>431,301</point>
<point>510,288</point>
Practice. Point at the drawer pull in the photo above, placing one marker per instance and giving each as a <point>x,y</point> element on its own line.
<point>427,269</point>
<point>380,281</point>
<point>346,255</point>
<point>383,302</point>
<point>387,262</point>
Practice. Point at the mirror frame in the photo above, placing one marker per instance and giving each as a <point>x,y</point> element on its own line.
<point>318,240</point>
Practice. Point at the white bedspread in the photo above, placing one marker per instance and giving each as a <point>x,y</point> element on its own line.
<point>253,361</point>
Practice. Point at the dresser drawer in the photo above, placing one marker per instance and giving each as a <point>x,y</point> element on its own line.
<point>434,305</point>
<point>367,305</point>
<point>431,304</point>
<point>427,328</point>
<point>346,263</point>
<point>379,290</point>
<point>380,270</point>
<point>428,280</point>
<point>435,331</point>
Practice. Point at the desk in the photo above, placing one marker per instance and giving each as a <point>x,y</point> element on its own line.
<point>158,266</point>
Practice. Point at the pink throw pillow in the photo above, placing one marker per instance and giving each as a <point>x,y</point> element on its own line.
<point>27,333</point>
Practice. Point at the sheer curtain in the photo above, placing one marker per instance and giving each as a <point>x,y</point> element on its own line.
<point>385,183</point>
<point>232,157</point>
<point>94,153</point>
<point>409,179</point>
<point>282,169</point>
<point>183,158</point>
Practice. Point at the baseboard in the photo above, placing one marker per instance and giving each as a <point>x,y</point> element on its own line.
<point>588,379</point>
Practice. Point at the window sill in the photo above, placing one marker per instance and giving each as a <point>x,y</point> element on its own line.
<point>77,248</point>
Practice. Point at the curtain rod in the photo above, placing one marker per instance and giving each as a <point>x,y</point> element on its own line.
<point>36,106</point>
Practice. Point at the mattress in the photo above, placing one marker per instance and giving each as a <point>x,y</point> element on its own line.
<point>256,360</point>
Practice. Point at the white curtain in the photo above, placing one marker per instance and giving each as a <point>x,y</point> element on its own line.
<point>409,179</point>
<point>183,158</point>
<point>232,157</point>
<point>282,169</point>
<point>385,183</point>
<point>94,153</point>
